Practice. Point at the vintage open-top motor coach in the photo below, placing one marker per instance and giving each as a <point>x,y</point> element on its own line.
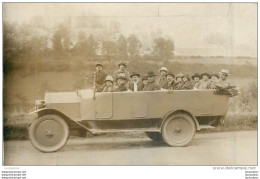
<point>173,116</point>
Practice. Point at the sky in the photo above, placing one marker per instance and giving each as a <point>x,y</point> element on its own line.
<point>224,29</point>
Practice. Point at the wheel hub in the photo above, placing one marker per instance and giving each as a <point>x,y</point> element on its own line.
<point>177,130</point>
<point>49,133</point>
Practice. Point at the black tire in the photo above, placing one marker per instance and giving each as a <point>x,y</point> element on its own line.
<point>49,133</point>
<point>178,130</point>
<point>155,136</point>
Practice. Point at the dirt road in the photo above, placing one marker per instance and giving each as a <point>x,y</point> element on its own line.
<point>226,148</point>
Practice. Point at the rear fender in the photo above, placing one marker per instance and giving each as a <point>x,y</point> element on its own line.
<point>180,111</point>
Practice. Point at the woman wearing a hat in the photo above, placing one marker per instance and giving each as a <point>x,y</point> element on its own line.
<point>196,78</point>
<point>179,82</point>
<point>204,82</point>
<point>162,79</point>
<point>151,86</point>
<point>109,84</point>
<point>145,80</point>
<point>214,79</point>
<point>122,69</point>
<point>170,81</point>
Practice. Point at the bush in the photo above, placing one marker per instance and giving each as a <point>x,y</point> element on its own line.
<point>246,102</point>
<point>15,132</point>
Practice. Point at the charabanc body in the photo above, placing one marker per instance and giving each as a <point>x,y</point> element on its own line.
<point>173,116</point>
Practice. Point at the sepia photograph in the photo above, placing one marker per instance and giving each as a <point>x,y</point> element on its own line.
<point>130,84</point>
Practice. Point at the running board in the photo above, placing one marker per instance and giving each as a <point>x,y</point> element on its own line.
<point>97,131</point>
<point>206,127</point>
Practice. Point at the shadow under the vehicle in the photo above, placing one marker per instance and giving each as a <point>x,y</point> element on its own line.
<point>112,145</point>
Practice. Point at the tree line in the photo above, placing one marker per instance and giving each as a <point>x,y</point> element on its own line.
<point>32,48</point>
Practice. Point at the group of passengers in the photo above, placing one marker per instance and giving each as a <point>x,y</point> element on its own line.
<point>122,80</point>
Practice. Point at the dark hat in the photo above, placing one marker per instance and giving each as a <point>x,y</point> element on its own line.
<point>122,63</point>
<point>99,64</point>
<point>187,76</point>
<point>145,77</point>
<point>171,74</point>
<point>207,74</point>
<point>150,74</point>
<point>196,75</point>
<point>135,74</point>
<point>215,74</point>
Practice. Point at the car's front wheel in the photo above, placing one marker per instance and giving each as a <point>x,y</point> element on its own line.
<point>49,133</point>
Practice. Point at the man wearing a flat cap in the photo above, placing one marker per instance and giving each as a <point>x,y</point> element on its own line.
<point>152,85</point>
<point>135,84</point>
<point>162,79</point>
<point>223,83</point>
<point>122,69</point>
<point>170,81</point>
<point>100,76</point>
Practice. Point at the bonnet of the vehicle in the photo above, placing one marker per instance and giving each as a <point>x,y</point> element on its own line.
<point>67,103</point>
<point>61,97</point>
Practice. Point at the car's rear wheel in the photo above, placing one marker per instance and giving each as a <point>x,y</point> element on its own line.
<point>155,136</point>
<point>178,129</point>
<point>49,133</point>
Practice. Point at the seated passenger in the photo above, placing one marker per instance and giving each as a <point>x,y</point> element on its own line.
<point>179,82</point>
<point>151,85</point>
<point>100,77</point>
<point>170,81</point>
<point>214,79</point>
<point>145,80</point>
<point>135,84</point>
<point>223,83</point>
<point>108,84</point>
<point>122,69</point>
<point>196,78</point>
<point>121,84</point>
<point>187,84</point>
<point>162,79</point>
<point>204,82</point>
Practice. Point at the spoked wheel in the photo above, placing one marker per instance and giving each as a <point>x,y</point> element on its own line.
<point>178,129</point>
<point>49,133</point>
<point>155,136</point>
